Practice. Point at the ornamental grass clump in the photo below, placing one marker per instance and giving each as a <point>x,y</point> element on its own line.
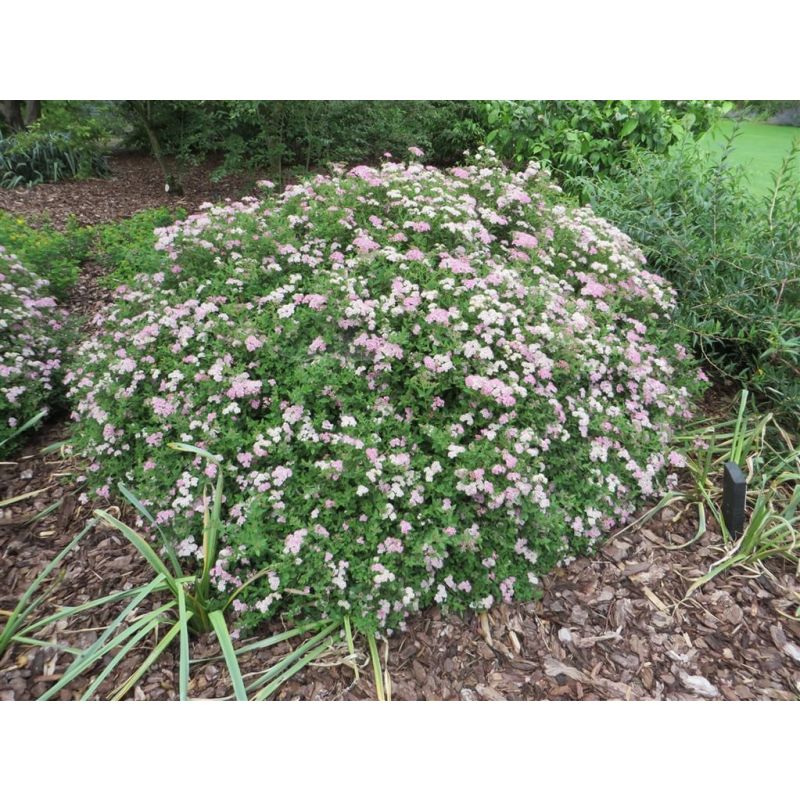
<point>30,348</point>
<point>423,387</point>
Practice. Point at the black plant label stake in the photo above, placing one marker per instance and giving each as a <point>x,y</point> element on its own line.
<point>734,494</point>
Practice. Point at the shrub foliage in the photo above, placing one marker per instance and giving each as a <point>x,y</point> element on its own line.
<point>425,387</point>
<point>127,247</point>
<point>55,255</point>
<point>733,258</point>
<point>40,156</point>
<point>582,138</point>
<point>30,346</point>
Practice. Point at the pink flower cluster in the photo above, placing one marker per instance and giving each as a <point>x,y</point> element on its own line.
<point>30,349</point>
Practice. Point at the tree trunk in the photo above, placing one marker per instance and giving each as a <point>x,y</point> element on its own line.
<point>172,183</point>
<point>12,113</point>
<point>33,110</point>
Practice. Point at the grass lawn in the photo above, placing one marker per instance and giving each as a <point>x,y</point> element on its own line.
<point>759,148</point>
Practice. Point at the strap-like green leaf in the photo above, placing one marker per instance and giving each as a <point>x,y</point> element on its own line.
<point>143,547</point>
<point>225,643</point>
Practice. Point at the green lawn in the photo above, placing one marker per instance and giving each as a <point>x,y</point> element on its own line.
<point>759,148</point>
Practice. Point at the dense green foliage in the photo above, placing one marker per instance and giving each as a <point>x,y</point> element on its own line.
<point>261,135</point>
<point>734,258</point>
<point>127,247</point>
<point>575,138</point>
<point>42,156</point>
<point>759,148</point>
<point>54,255</point>
<point>579,138</point>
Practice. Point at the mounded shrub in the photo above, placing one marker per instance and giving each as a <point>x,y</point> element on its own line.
<point>30,350</point>
<point>426,387</point>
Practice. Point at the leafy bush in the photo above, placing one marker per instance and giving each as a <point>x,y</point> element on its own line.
<point>94,121</point>
<point>30,347</point>
<point>127,247</point>
<point>41,156</point>
<point>423,387</point>
<point>733,258</point>
<point>270,135</point>
<point>54,255</point>
<point>588,137</point>
<point>317,132</point>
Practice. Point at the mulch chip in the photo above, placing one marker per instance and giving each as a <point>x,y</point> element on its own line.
<point>135,183</point>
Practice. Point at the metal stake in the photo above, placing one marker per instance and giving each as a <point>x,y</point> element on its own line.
<point>734,494</point>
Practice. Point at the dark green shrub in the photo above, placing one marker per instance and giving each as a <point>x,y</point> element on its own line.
<point>52,254</point>
<point>270,135</point>
<point>734,258</point>
<point>40,156</point>
<point>94,120</point>
<point>590,137</point>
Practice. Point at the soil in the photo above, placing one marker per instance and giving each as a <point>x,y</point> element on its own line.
<point>614,626</point>
<point>135,183</point>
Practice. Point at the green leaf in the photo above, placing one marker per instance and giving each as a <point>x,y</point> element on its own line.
<point>148,662</point>
<point>348,633</point>
<point>24,607</point>
<point>629,127</point>
<point>225,643</point>
<point>270,688</point>
<point>25,426</point>
<point>286,662</point>
<point>183,668</point>
<point>376,666</point>
<point>143,547</point>
<point>190,448</point>
<point>140,634</point>
<point>94,654</point>
<point>134,501</point>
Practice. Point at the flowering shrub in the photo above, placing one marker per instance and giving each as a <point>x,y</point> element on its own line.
<point>426,387</point>
<point>30,355</point>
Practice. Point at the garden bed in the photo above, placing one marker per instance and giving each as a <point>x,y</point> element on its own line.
<point>610,627</point>
<point>613,626</point>
<point>135,183</point>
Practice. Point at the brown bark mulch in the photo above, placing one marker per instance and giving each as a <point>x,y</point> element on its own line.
<point>135,183</point>
<point>615,626</point>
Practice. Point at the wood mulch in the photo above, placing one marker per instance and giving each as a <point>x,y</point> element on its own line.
<point>135,183</point>
<point>614,626</point>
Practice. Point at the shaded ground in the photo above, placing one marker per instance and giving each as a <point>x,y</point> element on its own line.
<point>615,626</point>
<point>136,182</point>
